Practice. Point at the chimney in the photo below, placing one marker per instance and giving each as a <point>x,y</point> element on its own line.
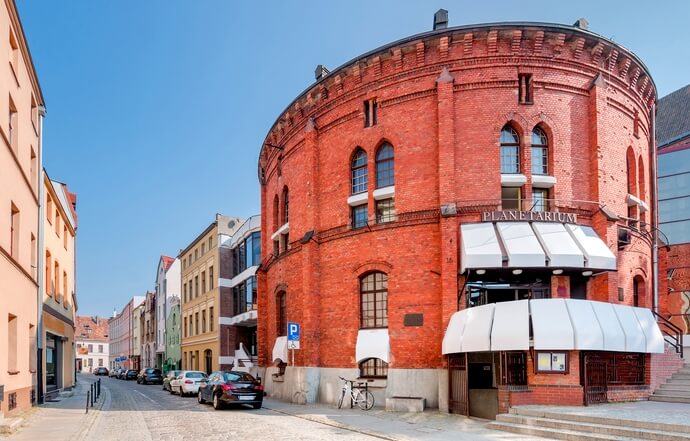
<point>582,23</point>
<point>441,19</point>
<point>320,72</point>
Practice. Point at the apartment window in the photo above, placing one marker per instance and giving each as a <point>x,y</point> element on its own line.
<point>540,198</point>
<point>359,171</point>
<point>184,292</point>
<point>540,152</point>
<point>57,282</point>
<point>57,222</point>
<point>50,289</point>
<point>196,254</point>
<point>373,368</point>
<point>373,290</point>
<point>510,198</point>
<point>49,209</point>
<point>210,243</point>
<point>90,348</point>
<point>100,349</point>
<point>34,252</point>
<point>64,236</point>
<point>12,338</point>
<point>196,286</point>
<point>384,166</point>
<point>203,249</point>
<point>210,319</point>
<point>210,277</point>
<point>510,150</point>
<point>276,214</point>
<point>34,112</point>
<point>13,125</point>
<point>14,231</point>
<point>285,239</point>
<point>100,362</point>
<point>359,216</point>
<point>14,53</point>
<point>281,306</point>
<point>286,205</point>
<point>256,248</point>
<point>203,321</point>
<point>65,291</point>
<point>385,211</point>
<point>525,89</point>
<point>185,327</point>
<point>203,282</point>
<point>370,112</point>
<point>33,169</point>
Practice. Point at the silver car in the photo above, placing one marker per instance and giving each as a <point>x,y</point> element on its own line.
<point>187,383</point>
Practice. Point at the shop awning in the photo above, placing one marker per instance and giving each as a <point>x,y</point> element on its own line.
<point>510,326</point>
<point>597,253</point>
<point>479,247</point>
<point>521,244</point>
<point>557,324</point>
<point>559,245</point>
<point>372,343</point>
<point>551,325</point>
<point>280,351</point>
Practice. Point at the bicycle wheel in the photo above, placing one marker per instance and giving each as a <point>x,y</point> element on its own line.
<point>365,400</point>
<point>342,397</point>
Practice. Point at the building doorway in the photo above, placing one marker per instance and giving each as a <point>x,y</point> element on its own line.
<point>53,374</point>
<point>458,397</point>
<point>594,379</point>
<point>208,361</point>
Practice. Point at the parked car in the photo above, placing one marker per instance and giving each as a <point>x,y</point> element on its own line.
<point>150,375</point>
<point>166,380</point>
<point>130,374</point>
<point>122,373</point>
<point>187,382</point>
<point>101,371</point>
<point>232,387</point>
<point>114,373</point>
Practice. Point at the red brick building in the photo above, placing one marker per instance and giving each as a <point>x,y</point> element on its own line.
<point>436,210</point>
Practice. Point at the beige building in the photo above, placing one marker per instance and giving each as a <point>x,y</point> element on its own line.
<point>20,165</point>
<point>200,298</point>
<point>137,334</point>
<point>59,295</point>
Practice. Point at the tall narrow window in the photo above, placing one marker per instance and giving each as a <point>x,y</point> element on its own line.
<point>34,112</point>
<point>385,211</point>
<point>185,327</point>
<point>286,206</point>
<point>525,88</point>
<point>196,286</point>
<point>384,166</point>
<point>510,150</point>
<point>196,323</point>
<point>539,199</point>
<point>203,282</point>
<point>540,152</point>
<point>276,214</point>
<point>34,253</point>
<point>210,319</point>
<point>203,321</point>
<point>65,290</point>
<point>13,125</point>
<point>370,112</point>
<point>33,169</point>
<point>359,172</point>
<point>210,243</point>
<point>14,231</point>
<point>50,289</point>
<point>281,315</point>
<point>511,198</point>
<point>359,216</point>
<point>373,290</point>
<point>12,338</point>
<point>57,282</point>
<point>184,292</point>
<point>64,236</point>
<point>210,278</point>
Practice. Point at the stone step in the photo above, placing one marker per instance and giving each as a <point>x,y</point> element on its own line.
<point>672,393</point>
<point>674,386</point>
<point>669,399</point>
<point>591,419</point>
<point>678,381</point>
<point>680,376</point>
<point>543,432</point>
<point>590,428</point>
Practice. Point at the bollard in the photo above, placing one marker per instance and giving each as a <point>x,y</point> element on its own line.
<point>87,401</point>
<point>99,388</point>
<point>91,394</point>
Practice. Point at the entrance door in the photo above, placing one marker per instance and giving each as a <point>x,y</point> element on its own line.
<point>52,364</point>
<point>458,397</point>
<point>594,379</point>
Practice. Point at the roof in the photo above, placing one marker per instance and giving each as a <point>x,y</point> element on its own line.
<point>68,201</point>
<point>91,328</point>
<point>673,117</point>
<point>167,262</point>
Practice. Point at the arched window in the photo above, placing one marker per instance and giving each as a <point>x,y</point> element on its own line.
<point>385,175</point>
<point>281,313</point>
<point>631,169</point>
<point>510,150</point>
<point>275,213</point>
<point>286,205</point>
<point>359,172</point>
<point>373,368</point>
<point>540,152</point>
<point>373,291</point>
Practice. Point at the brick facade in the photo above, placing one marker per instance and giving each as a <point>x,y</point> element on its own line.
<point>442,100</point>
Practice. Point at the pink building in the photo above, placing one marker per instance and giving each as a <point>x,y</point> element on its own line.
<point>120,335</point>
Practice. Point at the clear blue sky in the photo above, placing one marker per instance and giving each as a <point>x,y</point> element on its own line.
<point>157,108</point>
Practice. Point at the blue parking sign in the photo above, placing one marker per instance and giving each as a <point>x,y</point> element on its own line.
<point>293,331</point>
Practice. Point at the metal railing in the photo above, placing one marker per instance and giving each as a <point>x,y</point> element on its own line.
<point>672,333</point>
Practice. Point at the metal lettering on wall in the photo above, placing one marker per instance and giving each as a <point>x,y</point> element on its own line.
<point>529,216</point>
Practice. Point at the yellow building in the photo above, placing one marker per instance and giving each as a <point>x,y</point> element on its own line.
<point>200,307</point>
<point>59,297</point>
<point>22,104</point>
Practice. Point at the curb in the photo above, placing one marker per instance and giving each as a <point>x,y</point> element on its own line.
<point>94,412</point>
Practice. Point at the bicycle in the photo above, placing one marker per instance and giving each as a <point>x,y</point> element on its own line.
<point>363,398</point>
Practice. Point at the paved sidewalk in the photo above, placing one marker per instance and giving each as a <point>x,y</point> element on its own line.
<point>63,420</point>
<point>428,425</point>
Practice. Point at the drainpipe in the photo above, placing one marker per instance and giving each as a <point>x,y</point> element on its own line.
<point>40,262</point>
<point>655,216</point>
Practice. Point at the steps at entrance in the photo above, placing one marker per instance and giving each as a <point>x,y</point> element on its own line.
<point>574,427</point>
<point>676,389</point>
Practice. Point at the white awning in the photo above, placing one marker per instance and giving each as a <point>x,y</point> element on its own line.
<point>653,335</point>
<point>510,326</point>
<point>372,343</point>
<point>597,253</point>
<point>614,337</point>
<point>280,350</point>
<point>477,336</point>
<point>586,328</point>
<point>635,340</point>
<point>452,339</point>
<point>559,245</point>
<point>479,247</point>
<point>521,245</point>
<point>551,326</point>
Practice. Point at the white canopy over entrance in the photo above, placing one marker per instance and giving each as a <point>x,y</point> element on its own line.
<point>372,343</point>
<point>280,350</point>
<point>556,323</point>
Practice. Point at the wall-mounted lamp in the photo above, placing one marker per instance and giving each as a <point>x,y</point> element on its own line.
<point>481,271</point>
<point>586,273</point>
<point>558,271</point>
<point>517,271</point>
